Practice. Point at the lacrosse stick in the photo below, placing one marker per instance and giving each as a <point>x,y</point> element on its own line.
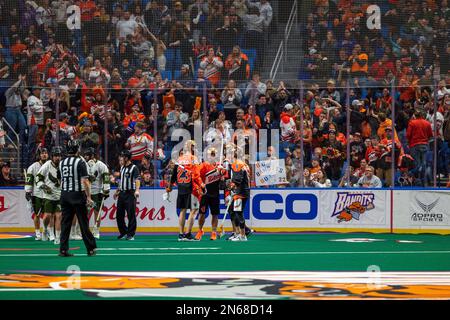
<point>99,217</point>
<point>221,228</point>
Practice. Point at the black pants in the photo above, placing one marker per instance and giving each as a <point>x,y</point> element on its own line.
<point>74,203</point>
<point>238,216</point>
<point>126,202</point>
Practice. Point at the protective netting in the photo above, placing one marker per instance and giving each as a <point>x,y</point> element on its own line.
<point>145,75</point>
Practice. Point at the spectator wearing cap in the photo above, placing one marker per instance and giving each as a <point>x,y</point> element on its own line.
<point>384,124</point>
<point>5,175</point>
<point>185,78</point>
<point>288,129</point>
<point>147,180</point>
<point>134,117</point>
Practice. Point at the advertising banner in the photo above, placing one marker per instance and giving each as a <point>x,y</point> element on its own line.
<point>354,208</point>
<point>277,209</point>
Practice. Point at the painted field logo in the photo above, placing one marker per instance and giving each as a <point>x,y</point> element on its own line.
<point>2,204</point>
<point>351,205</point>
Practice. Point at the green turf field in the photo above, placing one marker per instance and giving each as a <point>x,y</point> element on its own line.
<point>268,266</point>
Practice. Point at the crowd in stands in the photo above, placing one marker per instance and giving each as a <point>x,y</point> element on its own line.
<point>404,64</point>
<point>201,62</point>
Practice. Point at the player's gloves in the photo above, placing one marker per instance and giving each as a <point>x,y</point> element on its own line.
<point>28,196</point>
<point>46,189</point>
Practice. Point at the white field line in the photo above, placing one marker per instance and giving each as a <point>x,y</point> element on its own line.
<point>240,253</point>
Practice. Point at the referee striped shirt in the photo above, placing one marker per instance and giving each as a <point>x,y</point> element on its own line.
<point>128,176</point>
<point>72,169</point>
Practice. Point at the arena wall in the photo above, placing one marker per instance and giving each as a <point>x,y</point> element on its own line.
<point>279,210</point>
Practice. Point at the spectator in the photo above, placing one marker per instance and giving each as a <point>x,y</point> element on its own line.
<point>419,133</point>
<point>5,176</point>
<point>369,180</point>
<point>231,98</point>
<point>13,112</point>
<point>237,65</point>
<point>255,89</point>
<point>126,26</point>
<point>212,65</point>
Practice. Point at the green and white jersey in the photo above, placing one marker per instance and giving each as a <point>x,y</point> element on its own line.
<point>50,177</point>
<point>99,176</point>
<point>31,180</point>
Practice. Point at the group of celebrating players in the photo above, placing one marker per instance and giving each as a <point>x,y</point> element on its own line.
<point>199,184</point>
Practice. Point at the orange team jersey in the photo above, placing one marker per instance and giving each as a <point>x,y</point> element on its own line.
<point>240,177</point>
<point>211,174</point>
<point>187,176</point>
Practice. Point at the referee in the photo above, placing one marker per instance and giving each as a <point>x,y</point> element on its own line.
<point>127,193</point>
<point>75,197</point>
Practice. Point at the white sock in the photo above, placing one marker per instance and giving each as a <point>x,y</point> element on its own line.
<point>37,231</point>
<point>58,234</point>
<point>52,232</point>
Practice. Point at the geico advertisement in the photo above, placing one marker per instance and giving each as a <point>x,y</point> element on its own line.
<point>268,208</point>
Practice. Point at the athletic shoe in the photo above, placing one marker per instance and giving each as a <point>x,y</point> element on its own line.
<point>38,236</point>
<point>189,237</point>
<point>199,235</point>
<point>77,237</point>
<point>213,235</point>
<point>122,236</point>
<point>242,238</point>
<point>236,238</point>
<point>45,235</point>
<point>96,233</point>
<point>130,238</point>
<point>248,232</point>
<point>181,237</point>
<point>65,254</point>
<point>232,236</point>
<point>51,236</point>
<point>57,241</point>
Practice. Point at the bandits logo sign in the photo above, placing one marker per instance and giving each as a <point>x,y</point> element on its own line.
<point>350,205</point>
